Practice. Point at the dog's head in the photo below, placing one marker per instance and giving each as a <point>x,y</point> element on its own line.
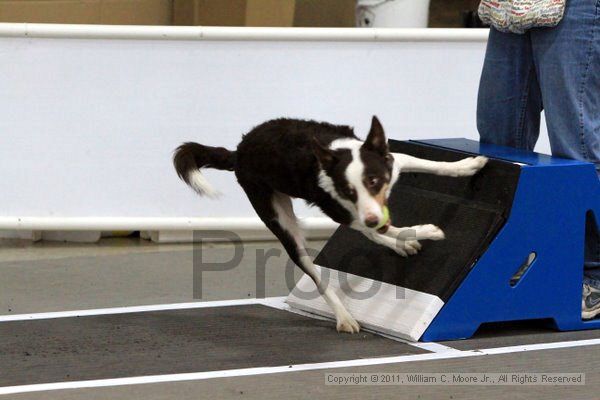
<point>358,174</point>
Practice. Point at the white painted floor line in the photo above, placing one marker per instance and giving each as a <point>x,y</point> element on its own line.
<point>291,368</point>
<point>539,346</point>
<point>134,309</point>
<point>275,302</point>
<point>226,373</point>
<point>432,346</point>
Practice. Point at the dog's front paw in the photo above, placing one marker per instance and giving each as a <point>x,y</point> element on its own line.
<point>400,250</point>
<point>411,247</point>
<point>346,323</point>
<point>428,232</point>
<point>468,166</point>
<point>406,247</point>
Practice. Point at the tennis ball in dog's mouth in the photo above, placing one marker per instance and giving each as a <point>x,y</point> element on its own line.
<point>385,219</point>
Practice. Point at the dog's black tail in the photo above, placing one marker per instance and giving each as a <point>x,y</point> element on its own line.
<point>190,157</point>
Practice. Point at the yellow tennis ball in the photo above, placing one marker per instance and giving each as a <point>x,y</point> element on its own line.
<point>385,219</point>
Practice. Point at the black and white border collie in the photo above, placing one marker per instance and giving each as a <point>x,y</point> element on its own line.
<point>327,166</point>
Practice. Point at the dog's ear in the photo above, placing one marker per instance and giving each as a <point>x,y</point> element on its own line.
<point>326,157</point>
<point>376,140</point>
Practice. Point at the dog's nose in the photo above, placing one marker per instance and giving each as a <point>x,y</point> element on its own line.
<point>371,221</point>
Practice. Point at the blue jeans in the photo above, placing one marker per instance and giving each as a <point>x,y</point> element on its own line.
<point>556,70</point>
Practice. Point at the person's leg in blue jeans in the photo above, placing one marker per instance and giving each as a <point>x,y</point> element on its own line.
<point>558,70</point>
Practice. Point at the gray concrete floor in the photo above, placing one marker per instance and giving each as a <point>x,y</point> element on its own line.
<point>46,276</point>
<point>49,276</point>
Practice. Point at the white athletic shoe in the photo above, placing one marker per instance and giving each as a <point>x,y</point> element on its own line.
<point>590,302</point>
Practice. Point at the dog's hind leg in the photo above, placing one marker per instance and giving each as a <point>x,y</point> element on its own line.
<point>276,211</point>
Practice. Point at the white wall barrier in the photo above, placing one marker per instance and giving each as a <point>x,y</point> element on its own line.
<point>89,115</point>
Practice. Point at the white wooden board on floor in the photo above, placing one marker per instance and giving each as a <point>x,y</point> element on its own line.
<point>378,306</point>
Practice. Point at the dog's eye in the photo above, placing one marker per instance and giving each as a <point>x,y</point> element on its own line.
<point>350,191</point>
<point>372,181</point>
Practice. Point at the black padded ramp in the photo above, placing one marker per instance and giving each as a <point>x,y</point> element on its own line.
<point>176,341</point>
<point>470,210</point>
